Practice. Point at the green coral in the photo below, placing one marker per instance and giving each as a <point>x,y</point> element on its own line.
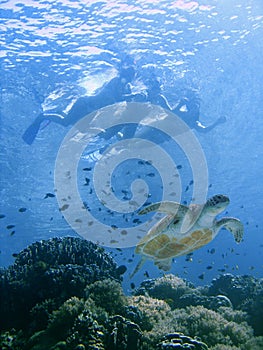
<point>153,311</point>
<point>73,325</point>
<point>109,294</point>
<point>211,326</point>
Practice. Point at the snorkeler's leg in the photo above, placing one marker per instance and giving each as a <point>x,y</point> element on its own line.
<point>32,131</point>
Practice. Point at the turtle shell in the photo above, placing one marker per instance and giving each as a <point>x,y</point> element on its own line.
<point>164,246</point>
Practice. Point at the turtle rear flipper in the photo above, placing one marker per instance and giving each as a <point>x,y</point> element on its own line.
<point>233,225</point>
<point>164,265</point>
<point>138,267</point>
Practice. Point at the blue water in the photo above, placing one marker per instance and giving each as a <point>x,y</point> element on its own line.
<point>52,52</point>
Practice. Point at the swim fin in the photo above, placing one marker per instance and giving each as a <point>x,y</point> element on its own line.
<point>31,132</point>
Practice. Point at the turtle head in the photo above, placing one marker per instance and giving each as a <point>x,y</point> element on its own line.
<point>217,204</point>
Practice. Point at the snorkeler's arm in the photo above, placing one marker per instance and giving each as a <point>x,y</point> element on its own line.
<point>162,101</point>
<point>201,128</point>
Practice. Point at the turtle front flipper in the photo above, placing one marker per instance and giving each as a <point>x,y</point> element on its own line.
<point>233,225</point>
<point>166,207</point>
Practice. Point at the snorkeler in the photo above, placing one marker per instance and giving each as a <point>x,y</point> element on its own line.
<point>114,91</point>
<point>188,109</point>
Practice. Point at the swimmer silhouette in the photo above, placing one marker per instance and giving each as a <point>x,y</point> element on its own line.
<point>188,109</point>
<point>114,91</point>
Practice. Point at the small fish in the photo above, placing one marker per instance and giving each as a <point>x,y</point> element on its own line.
<point>210,185</point>
<point>2,216</point>
<point>121,269</point>
<point>124,232</point>
<point>12,233</point>
<point>212,251</point>
<point>191,182</point>
<point>87,169</point>
<point>179,166</point>
<point>187,188</point>
<point>78,220</point>
<point>221,270</point>
<point>202,276</point>
<point>189,258</point>
<point>15,255</point>
<point>132,285</point>
<point>10,226</point>
<point>146,274</point>
<point>49,195</point>
<point>87,181</point>
<point>151,175</point>
<point>130,260</point>
<point>209,267</point>
<point>64,207</point>
<point>22,210</point>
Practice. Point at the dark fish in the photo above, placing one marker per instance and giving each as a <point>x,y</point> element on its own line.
<point>87,181</point>
<point>22,210</point>
<point>130,260</point>
<point>12,233</point>
<point>209,267</point>
<point>191,182</point>
<point>202,276</point>
<point>15,255</point>
<point>64,207</point>
<point>10,226</point>
<point>119,249</point>
<point>121,269</point>
<point>49,195</point>
<point>2,216</point>
<point>187,188</point>
<point>212,251</point>
<point>221,270</point>
<point>86,169</point>
<point>132,285</point>
<point>148,162</point>
<point>210,185</point>
<point>179,167</point>
<point>137,221</point>
<point>146,274</point>
<point>151,175</point>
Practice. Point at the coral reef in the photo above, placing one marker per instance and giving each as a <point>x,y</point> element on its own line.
<point>245,293</point>
<point>67,294</point>
<point>55,269</point>
<point>180,341</point>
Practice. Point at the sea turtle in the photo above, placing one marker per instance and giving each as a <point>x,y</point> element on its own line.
<point>184,229</point>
